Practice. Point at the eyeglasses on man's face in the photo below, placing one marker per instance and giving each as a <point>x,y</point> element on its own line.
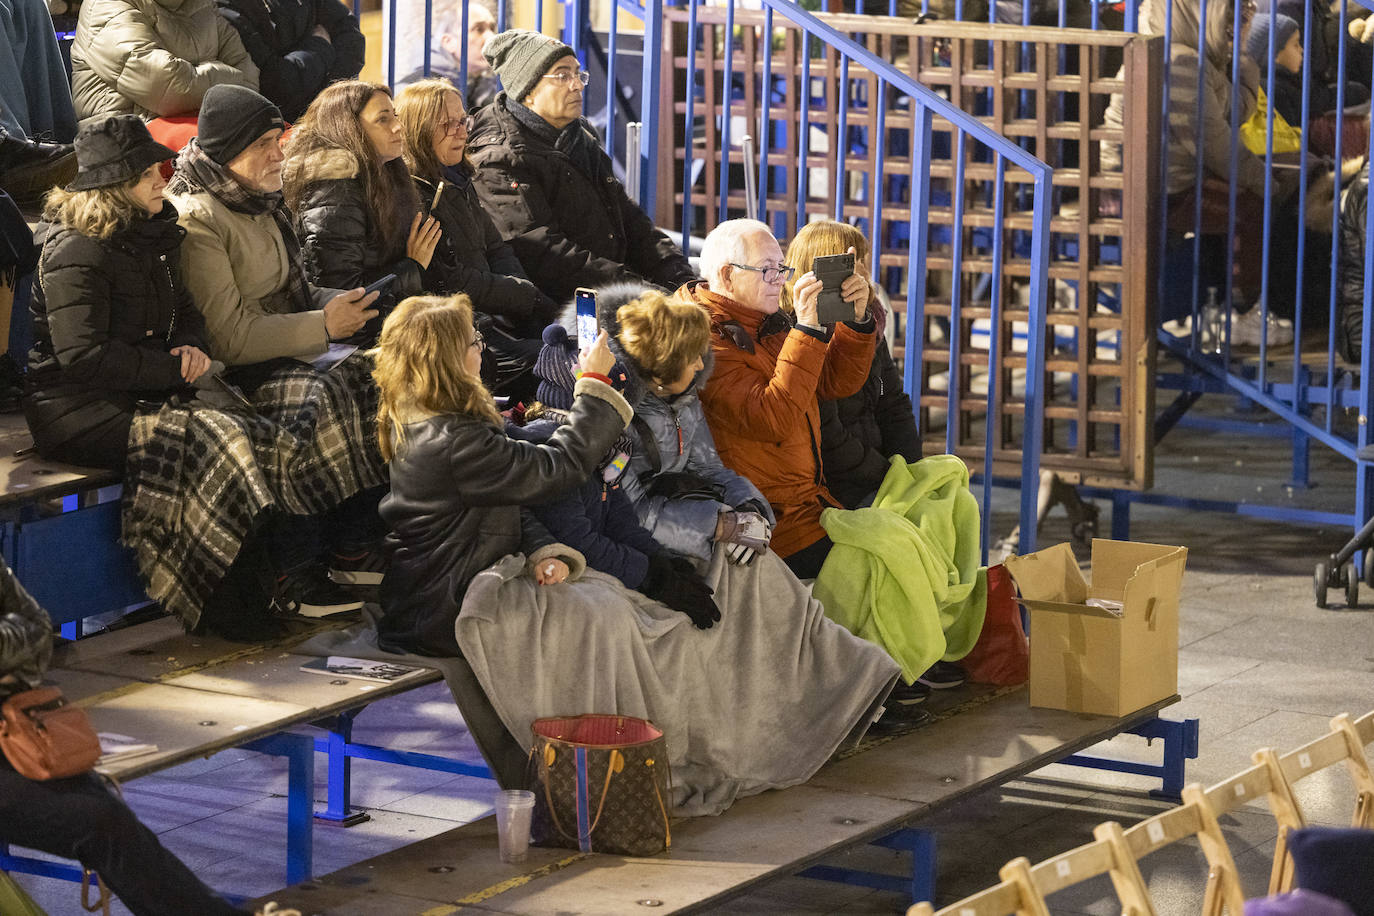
<point>563,76</point>
<point>456,126</point>
<point>770,274</point>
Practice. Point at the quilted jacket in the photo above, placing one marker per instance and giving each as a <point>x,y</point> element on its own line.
<point>568,228</point>
<point>235,265</point>
<point>105,313</point>
<point>153,58</point>
<point>294,64</point>
<point>472,258</point>
<point>861,432</point>
<point>457,488</point>
<point>762,404</point>
<point>25,637</point>
<point>338,235</point>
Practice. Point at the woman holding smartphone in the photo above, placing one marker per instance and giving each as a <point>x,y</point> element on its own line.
<point>471,257</point>
<point>356,209</point>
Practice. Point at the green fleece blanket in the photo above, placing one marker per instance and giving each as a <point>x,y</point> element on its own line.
<point>904,574</point>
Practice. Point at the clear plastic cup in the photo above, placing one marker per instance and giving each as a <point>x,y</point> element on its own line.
<point>513,810</point>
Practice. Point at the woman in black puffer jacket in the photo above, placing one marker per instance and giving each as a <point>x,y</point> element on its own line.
<point>861,433</point>
<point>472,257</point>
<point>357,213</point>
<point>113,323</point>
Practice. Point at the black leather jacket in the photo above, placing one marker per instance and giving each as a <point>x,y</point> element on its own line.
<point>457,487</point>
<point>25,637</point>
<point>568,228</point>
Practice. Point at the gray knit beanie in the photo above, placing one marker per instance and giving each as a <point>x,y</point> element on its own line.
<point>1257,44</point>
<point>522,57</point>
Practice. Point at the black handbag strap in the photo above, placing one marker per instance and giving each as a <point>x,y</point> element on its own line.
<point>648,443</point>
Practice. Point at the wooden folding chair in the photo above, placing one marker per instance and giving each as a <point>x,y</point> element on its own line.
<point>1194,818</point>
<point>1107,855</point>
<point>1343,743</point>
<point>1014,895</point>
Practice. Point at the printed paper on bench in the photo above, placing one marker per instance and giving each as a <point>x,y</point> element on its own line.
<point>364,669</point>
<point>121,747</point>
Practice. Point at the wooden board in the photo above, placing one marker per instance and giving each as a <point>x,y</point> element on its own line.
<point>184,724</point>
<point>275,674</point>
<point>27,478</point>
<point>851,801</point>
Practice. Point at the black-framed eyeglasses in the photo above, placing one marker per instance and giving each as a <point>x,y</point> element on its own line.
<point>478,341</point>
<point>770,274</point>
<point>563,76</point>
<point>451,128</point>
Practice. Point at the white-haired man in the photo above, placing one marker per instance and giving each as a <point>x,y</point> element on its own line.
<point>770,371</point>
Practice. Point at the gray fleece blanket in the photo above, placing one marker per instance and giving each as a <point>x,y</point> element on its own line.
<point>759,701</point>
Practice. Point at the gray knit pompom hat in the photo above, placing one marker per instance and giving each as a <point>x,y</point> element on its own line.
<point>521,58</point>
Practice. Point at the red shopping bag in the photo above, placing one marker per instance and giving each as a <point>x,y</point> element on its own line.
<point>1002,654</point>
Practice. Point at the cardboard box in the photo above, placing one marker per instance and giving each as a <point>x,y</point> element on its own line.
<point>1088,659</point>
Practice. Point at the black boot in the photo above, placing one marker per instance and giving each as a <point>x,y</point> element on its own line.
<point>31,168</point>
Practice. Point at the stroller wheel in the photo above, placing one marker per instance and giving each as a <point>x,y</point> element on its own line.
<point>1352,584</point>
<point>1320,579</point>
<point>1369,567</point>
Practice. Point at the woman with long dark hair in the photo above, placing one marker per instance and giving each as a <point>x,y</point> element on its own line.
<point>356,209</point>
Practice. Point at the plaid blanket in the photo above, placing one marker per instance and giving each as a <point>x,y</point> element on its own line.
<point>198,479</point>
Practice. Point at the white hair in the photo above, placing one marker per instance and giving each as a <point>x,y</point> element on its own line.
<point>724,244</point>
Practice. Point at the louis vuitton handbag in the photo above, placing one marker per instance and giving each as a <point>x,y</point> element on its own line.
<point>600,784</point>
<point>45,737</point>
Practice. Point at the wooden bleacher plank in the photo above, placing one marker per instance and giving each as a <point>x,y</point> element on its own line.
<point>184,724</point>
<point>277,675</point>
<point>853,800</point>
<point>27,478</point>
<point>975,748</point>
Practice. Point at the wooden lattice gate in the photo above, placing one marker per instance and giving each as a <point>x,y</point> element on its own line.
<point>1027,83</point>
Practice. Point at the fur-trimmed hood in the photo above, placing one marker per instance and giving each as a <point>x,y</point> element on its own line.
<point>325,164</point>
<point>609,299</point>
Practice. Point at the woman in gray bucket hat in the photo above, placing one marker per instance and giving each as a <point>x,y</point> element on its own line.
<point>113,323</point>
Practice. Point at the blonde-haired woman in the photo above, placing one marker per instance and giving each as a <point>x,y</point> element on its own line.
<point>458,482</point>
<point>472,257</point>
<point>682,492</point>
<point>860,433</point>
<point>113,323</point>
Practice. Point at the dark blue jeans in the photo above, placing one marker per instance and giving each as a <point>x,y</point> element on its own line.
<point>79,818</point>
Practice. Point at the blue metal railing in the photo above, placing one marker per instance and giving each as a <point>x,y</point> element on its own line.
<point>891,86</point>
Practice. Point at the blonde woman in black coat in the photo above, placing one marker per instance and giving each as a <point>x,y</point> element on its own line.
<point>113,322</point>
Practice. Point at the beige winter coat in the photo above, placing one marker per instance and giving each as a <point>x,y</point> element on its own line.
<point>235,266</point>
<point>153,58</point>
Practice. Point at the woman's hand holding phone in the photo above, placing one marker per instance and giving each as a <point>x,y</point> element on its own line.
<point>424,238</point>
<point>856,288</point>
<point>597,358</point>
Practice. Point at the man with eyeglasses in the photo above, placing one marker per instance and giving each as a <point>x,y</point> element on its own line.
<point>762,400</point>
<point>548,184</point>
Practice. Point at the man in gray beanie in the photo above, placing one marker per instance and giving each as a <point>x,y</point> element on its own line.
<point>548,184</point>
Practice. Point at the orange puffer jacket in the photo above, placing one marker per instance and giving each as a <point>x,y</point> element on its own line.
<point>761,403</point>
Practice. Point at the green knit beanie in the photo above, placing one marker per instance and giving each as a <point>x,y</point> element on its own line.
<point>521,58</point>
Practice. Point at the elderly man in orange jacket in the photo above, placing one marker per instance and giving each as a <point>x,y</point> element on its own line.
<point>762,399</point>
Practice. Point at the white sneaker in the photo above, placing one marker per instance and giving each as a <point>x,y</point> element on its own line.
<point>1246,329</point>
<point>271,909</point>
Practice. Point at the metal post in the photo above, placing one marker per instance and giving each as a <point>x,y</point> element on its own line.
<point>338,810</point>
<point>632,161</point>
<point>649,108</point>
<point>751,192</point>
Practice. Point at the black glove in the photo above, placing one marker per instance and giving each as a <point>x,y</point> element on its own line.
<point>673,581</point>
